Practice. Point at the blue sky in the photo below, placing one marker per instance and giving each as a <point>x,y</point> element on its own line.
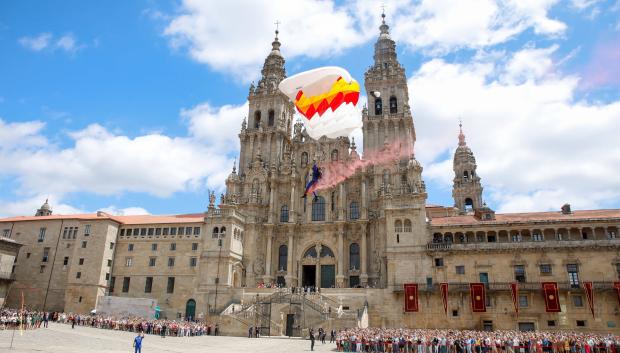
<point>134,106</point>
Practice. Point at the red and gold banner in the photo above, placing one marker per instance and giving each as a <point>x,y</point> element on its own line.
<point>478,300</point>
<point>552,300</point>
<point>587,286</point>
<point>617,286</point>
<point>411,297</point>
<point>443,288</point>
<point>514,291</point>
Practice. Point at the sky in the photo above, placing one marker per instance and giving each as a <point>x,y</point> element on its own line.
<point>134,107</point>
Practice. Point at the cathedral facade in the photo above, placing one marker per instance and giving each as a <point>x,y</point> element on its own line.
<point>358,243</point>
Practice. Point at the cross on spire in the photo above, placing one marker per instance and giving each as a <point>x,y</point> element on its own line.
<point>383,12</point>
<point>277,23</point>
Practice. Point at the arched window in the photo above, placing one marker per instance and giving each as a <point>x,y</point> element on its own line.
<point>222,232</point>
<point>469,204</point>
<point>403,179</point>
<point>437,238</point>
<point>318,209</point>
<point>407,226</point>
<point>393,105</point>
<point>378,106</point>
<point>272,118</point>
<point>282,257</point>
<point>284,214</point>
<point>310,252</point>
<point>354,210</point>
<point>334,155</point>
<point>257,119</point>
<point>398,226</point>
<point>354,256</point>
<point>304,159</point>
<point>448,238</point>
<point>215,232</point>
<point>465,176</point>
<point>326,251</point>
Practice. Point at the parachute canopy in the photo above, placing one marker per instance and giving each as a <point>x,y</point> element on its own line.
<point>326,97</point>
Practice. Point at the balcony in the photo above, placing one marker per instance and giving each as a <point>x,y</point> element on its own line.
<point>463,287</point>
<point>602,243</point>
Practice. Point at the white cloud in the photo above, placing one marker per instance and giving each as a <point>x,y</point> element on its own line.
<point>127,211</point>
<point>46,40</point>
<point>536,145</point>
<point>28,205</point>
<point>233,38</point>
<point>36,43</point>
<point>217,126</point>
<point>583,4</point>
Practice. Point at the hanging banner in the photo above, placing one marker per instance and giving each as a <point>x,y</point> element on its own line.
<point>587,286</point>
<point>552,300</point>
<point>617,286</point>
<point>478,297</point>
<point>411,297</point>
<point>514,291</point>
<point>443,288</point>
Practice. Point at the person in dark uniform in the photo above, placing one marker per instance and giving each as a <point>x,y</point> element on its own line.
<point>311,339</point>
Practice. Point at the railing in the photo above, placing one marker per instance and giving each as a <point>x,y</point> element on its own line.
<point>461,287</point>
<point>522,244</point>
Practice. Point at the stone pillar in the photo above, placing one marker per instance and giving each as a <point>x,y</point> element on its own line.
<point>341,203</point>
<point>340,275</point>
<point>268,277</point>
<point>364,210</point>
<point>290,271</point>
<point>272,201</point>
<point>363,251</point>
<point>291,211</point>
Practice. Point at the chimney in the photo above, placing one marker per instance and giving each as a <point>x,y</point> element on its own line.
<point>566,209</point>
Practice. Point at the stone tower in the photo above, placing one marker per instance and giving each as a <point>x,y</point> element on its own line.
<point>467,189</point>
<point>270,115</point>
<point>45,210</point>
<point>388,116</point>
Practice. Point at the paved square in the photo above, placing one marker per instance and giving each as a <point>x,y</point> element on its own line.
<point>61,338</point>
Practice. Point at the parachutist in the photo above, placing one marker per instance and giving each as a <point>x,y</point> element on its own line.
<point>316,176</point>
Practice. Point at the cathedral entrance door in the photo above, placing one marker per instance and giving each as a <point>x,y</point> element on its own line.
<point>328,276</point>
<point>308,276</point>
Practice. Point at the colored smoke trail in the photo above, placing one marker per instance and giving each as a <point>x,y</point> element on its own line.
<point>335,173</point>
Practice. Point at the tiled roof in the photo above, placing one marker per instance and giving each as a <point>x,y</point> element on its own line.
<point>505,218</point>
<point>129,220</point>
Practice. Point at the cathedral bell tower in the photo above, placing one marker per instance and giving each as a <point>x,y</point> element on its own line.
<point>467,189</point>
<point>269,122</point>
<point>388,116</point>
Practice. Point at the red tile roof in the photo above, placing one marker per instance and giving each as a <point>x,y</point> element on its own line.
<point>129,220</point>
<point>529,217</point>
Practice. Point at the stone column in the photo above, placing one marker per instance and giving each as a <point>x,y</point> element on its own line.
<point>341,206</point>
<point>268,277</point>
<point>364,210</point>
<point>340,275</point>
<point>290,271</point>
<point>363,251</point>
<point>272,201</point>
<point>291,210</point>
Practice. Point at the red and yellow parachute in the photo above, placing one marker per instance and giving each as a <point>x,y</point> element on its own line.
<point>326,97</point>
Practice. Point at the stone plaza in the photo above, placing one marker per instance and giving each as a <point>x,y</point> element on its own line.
<point>61,338</point>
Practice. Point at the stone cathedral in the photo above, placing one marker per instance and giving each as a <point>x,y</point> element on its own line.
<point>357,244</point>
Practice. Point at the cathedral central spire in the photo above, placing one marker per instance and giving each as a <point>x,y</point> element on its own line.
<point>461,135</point>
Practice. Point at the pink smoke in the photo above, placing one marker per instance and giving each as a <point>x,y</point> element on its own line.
<point>335,173</point>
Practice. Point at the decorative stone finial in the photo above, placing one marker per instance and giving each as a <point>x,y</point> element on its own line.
<point>461,134</point>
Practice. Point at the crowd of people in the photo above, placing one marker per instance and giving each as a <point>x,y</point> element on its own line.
<point>23,319</point>
<point>461,341</point>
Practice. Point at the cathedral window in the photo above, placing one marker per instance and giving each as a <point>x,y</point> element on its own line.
<point>222,232</point>
<point>282,257</point>
<point>398,226</point>
<point>284,214</point>
<point>318,209</point>
<point>304,159</point>
<point>469,204</point>
<point>465,176</point>
<point>386,177</point>
<point>407,226</point>
<point>378,106</point>
<point>310,252</point>
<point>215,233</point>
<point>333,201</point>
<point>326,252</point>
<point>334,155</point>
<point>354,256</point>
<point>393,105</point>
<point>255,187</point>
<point>354,210</point>
<point>272,118</point>
<point>257,119</point>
